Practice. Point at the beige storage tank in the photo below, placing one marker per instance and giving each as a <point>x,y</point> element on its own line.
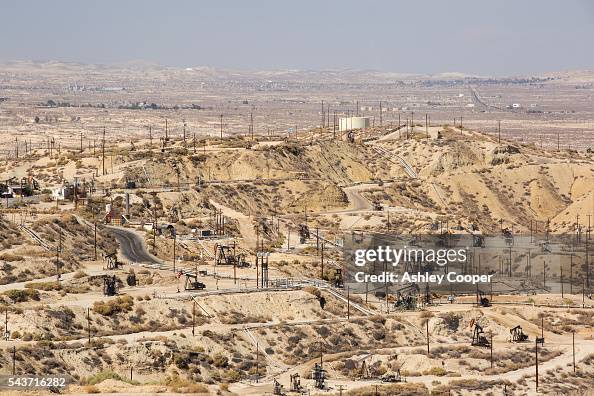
<point>350,123</point>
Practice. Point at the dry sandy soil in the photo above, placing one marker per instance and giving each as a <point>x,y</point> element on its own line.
<point>156,337</point>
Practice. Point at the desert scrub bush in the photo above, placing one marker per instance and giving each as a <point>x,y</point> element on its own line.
<point>10,257</point>
<point>220,360</point>
<point>91,389</point>
<point>114,307</point>
<point>45,286</point>
<point>183,385</point>
<point>75,289</point>
<point>79,274</point>
<point>102,376</point>
<point>452,320</point>
<point>235,317</point>
<point>312,290</point>
<point>439,371</point>
<point>392,389</point>
<point>378,319</point>
<point>426,314</point>
<point>22,295</point>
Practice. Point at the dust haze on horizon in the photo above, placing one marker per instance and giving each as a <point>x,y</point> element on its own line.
<point>428,37</point>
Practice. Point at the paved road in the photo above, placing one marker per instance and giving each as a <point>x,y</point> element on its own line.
<point>132,246</point>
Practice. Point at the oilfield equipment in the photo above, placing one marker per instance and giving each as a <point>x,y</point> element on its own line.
<point>227,255</point>
<point>322,301</point>
<point>338,281</point>
<point>407,298</point>
<point>479,338</point>
<point>351,137</point>
<point>478,240</point>
<point>517,334</point>
<point>428,299</point>
<point>112,261</point>
<point>262,269</point>
<point>110,285</point>
<point>25,186</point>
<point>481,300</point>
<point>131,279</point>
<point>304,233</point>
<point>393,377</point>
<point>192,283</point>
<point>318,374</point>
<point>296,383</point>
<point>277,388</point>
<point>509,236</point>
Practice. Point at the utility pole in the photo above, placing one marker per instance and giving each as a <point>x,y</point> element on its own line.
<point>75,192</point>
<point>89,324</point>
<point>334,126</point>
<point>184,134</point>
<point>58,249</point>
<point>95,236</point>
<point>174,240</point>
<point>257,362</point>
<point>348,303</point>
<point>499,131</point>
<point>571,273</point>
<point>155,230</point>
<point>536,356</point>
<point>427,326</point>
<point>193,316</point>
<point>380,113</point>
<point>562,294</point>
<point>103,151</point>
<point>252,124</point>
<point>150,136</point>
<point>583,292</point>
<point>166,131</point>
<point>491,350</point>
<point>221,127</point>
<point>288,237</point>
<point>573,348</point>
<point>322,261</point>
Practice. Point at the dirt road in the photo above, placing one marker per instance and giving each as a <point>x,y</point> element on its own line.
<point>132,246</point>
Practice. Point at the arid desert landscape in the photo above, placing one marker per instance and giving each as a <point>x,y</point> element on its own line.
<point>182,230</point>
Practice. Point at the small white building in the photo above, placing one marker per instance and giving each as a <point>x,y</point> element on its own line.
<point>350,123</point>
<point>62,193</point>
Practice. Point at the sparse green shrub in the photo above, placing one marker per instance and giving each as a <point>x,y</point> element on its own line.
<point>114,307</point>
<point>22,295</point>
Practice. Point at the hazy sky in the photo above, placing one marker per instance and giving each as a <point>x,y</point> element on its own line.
<point>498,37</point>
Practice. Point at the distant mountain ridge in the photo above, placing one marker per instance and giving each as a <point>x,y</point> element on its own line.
<point>289,75</point>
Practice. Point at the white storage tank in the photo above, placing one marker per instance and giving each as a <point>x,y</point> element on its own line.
<point>350,123</point>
